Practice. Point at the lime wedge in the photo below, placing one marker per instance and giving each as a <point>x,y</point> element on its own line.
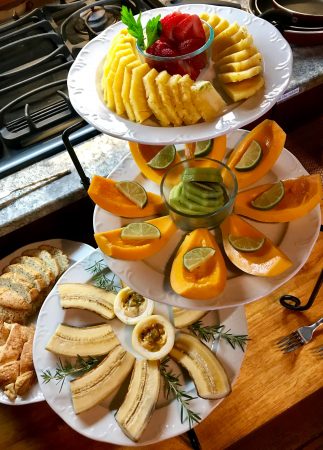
<point>250,158</point>
<point>196,257</point>
<point>245,243</point>
<point>139,231</point>
<point>164,158</point>
<point>208,174</point>
<point>269,198</point>
<point>203,148</point>
<point>133,191</point>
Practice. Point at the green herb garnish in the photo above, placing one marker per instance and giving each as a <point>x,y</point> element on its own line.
<point>206,333</point>
<point>135,28</point>
<point>100,272</point>
<point>173,386</point>
<point>64,370</point>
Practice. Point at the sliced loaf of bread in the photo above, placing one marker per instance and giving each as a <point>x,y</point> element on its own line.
<point>20,285</point>
<point>60,257</point>
<point>38,265</point>
<point>33,276</point>
<point>46,257</point>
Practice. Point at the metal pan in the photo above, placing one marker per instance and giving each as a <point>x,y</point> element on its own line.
<point>304,12</point>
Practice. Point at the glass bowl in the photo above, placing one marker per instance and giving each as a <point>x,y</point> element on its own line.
<point>187,221</point>
<point>190,63</point>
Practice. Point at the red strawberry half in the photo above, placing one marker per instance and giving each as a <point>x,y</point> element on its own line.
<point>189,28</point>
<point>190,45</point>
<point>169,22</point>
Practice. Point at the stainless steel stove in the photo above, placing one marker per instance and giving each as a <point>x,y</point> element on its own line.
<point>36,52</point>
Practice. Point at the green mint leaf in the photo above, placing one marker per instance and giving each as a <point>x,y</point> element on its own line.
<point>153,30</point>
<point>134,27</point>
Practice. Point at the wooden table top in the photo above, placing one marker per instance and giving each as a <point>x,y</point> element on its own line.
<point>269,383</point>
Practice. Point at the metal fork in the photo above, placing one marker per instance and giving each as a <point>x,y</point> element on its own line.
<point>318,351</point>
<point>299,337</point>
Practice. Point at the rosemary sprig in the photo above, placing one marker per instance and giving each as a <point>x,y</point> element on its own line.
<point>173,385</point>
<point>64,370</point>
<point>206,333</point>
<point>100,272</point>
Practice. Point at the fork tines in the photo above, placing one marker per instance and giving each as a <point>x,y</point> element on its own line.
<point>291,342</point>
<point>319,351</point>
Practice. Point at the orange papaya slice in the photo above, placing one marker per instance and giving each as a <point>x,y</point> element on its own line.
<point>204,282</point>
<point>301,195</point>
<point>268,261</point>
<point>104,193</point>
<point>271,139</point>
<point>111,244</point>
<point>143,153</point>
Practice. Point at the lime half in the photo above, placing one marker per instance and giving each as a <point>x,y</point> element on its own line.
<point>139,231</point>
<point>164,158</point>
<point>196,257</point>
<point>269,198</point>
<point>245,243</point>
<point>203,148</point>
<point>250,158</point>
<point>133,191</point>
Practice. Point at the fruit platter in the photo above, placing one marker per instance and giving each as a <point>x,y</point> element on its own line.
<point>128,92</point>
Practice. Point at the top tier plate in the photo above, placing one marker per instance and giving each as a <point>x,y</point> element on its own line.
<point>84,82</point>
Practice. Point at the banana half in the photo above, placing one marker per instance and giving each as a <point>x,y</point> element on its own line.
<point>209,376</point>
<point>88,297</point>
<point>185,317</point>
<point>136,410</point>
<point>72,341</point>
<point>93,387</point>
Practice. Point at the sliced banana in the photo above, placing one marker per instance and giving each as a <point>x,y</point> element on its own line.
<point>96,385</point>
<point>153,337</point>
<point>139,404</point>
<point>130,307</point>
<point>83,341</point>
<point>186,317</point>
<point>208,375</point>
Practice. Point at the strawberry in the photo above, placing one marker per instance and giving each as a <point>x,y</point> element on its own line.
<point>188,28</point>
<point>169,22</point>
<point>190,45</point>
<point>161,48</point>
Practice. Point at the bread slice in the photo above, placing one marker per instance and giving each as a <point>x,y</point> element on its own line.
<point>9,373</point>
<point>37,264</point>
<point>59,256</point>
<point>12,349</point>
<point>11,315</point>
<point>20,285</point>
<point>46,257</point>
<point>9,298</point>
<point>33,276</point>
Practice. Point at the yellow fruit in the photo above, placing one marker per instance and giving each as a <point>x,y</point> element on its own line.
<point>241,45</point>
<point>165,95</point>
<point>137,94</point>
<point>207,100</point>
<point>191,114</point>
<point>153,98</point>
<point>109,97</point>
<point>173,84</point>
<point>118,82</point>
<point>125,91</point>
<point>237,56</point>
<point>221,40</point>
<point>234,77</point>
<point>254,60</point>
<point>244,89</point>
<point>213,20</point>
<point>220,26</point>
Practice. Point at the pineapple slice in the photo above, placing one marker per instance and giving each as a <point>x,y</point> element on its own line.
<point>118,81</point>
<point>191,114</point>
<point>241,45</point>
<point>165,95</point>
<point>254,60</point>
<point>238,56</point>
<point>242,33</point>
<point>222,25</point>
<point>125,91</point>
<point>234,77</point>
<point>244,89</point>
<point>176,101</point>
<point>108,92</point>
<point>137,94</point>
<point>207,100</point>
<point>221,40</point>
<point>154,99</point>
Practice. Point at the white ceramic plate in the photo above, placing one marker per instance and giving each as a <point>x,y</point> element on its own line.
<point>84,82</point>
<point>295,238</point>
<point>99,423</point>
<point>75,251</point>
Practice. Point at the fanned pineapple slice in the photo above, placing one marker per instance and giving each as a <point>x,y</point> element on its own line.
<point>222,25</point>
<point>238,56</point>
<point>244,89</point>
<point>241,45</point>
<point>108,94</point>
<point>222,40</point>
<point>118,82</point>
<point>234,77</point>
<point>125,91</point>
<point>207,100</point>
<point>173,84</point>
<point>191,114</point>
<point>165,95</point>
<point>154,99</point>
<point>137,94</point>
<point>253,61</point>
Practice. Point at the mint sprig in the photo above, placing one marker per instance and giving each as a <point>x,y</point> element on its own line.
<point>135,28</point>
